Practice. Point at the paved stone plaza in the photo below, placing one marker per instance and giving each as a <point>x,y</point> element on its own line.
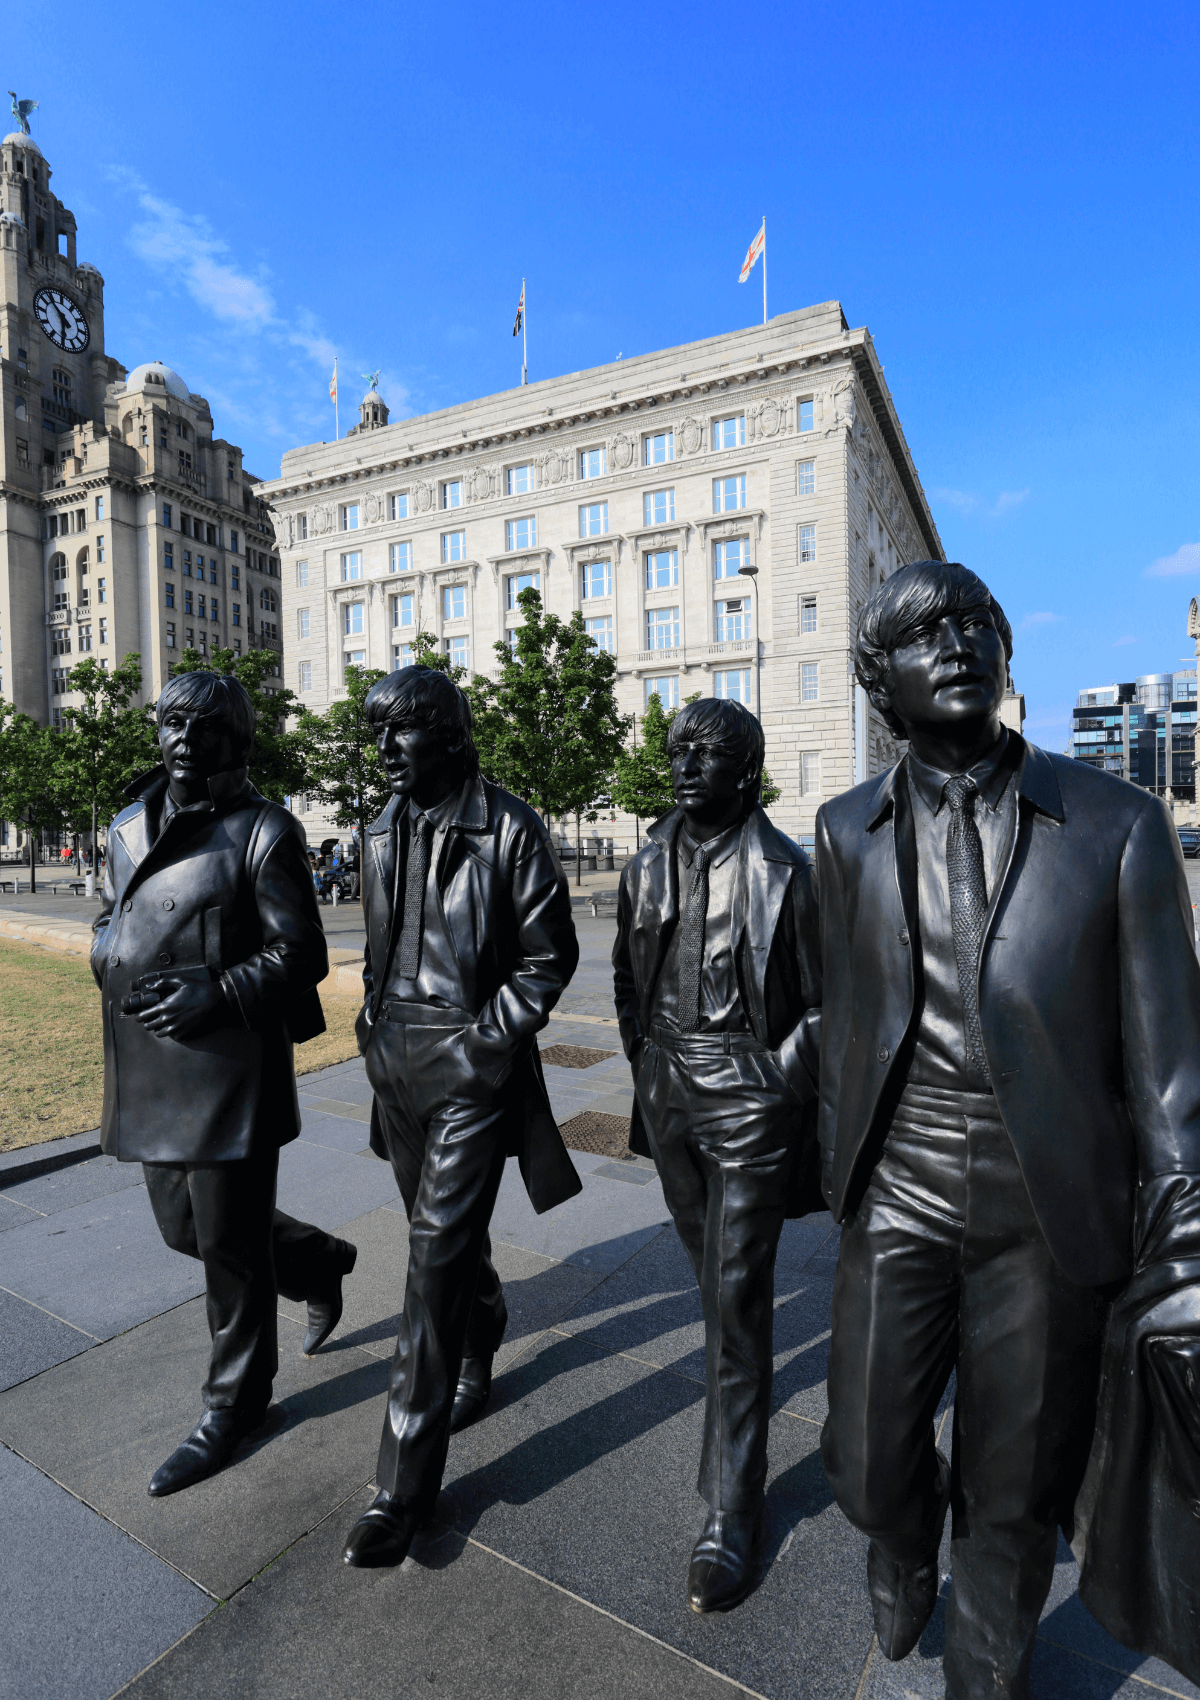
<point>557,1561</point>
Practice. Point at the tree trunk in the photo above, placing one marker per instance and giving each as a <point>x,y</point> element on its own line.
<point>32,869</point>
<point>578,853</point>
<point>95,844</point>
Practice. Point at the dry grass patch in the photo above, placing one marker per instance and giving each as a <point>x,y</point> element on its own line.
<point>52,1044</point>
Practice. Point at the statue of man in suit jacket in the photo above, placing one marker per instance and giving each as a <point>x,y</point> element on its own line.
<point>208,951</point>
<point>1010,1068</point>
<point>470,944</point>
<point>717,983</point>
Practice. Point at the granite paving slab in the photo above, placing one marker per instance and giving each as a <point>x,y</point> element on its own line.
<point>586,1474</point>
<point>101,1265</point>
<point>12,1214</point>
<point>334,1131</point>
<point>597,1229</point>
<point>102,1423</point>
<point>455,1621</point>
<point>350,1080</point>
<point>94,1178</point>
<point>31,1340</point>
<point>324,1186</point>
<point>85,1607</point>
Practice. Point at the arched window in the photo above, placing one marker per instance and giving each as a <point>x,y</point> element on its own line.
<point>127,425</point>
<point>81,560</point>
<point>58,567</point>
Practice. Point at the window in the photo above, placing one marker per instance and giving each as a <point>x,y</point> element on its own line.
<point>459,651</point>
<point>214,611</point>
<point>732,620</point>
<point>454,602</point>
<point>398,505</point>
<point>302,623</point>
<point>806,477</point>
<point>659,448</point>
<point>596,578</point>
<point>808,542</point>
<point>350,516</point>
<point>302,574</point>
<point>58,682</point>
<point>519,481</point>
<point>729,558</point>
<point>593,463</point>
<point>729,433</point>
<point>101,590</point>
<point>104,631</point>
<point>237,644</point>
<point>185,463</point>
<point>810,773</point>
<point>454,546</point>
<point>521,533</point>
<point>306,675</point>
<point>354,658</point>
<point>517,582</point>
<point>600,630</point>
<point>804,415</point>
<point>204,643</point>
<point>729,493</point>
<point>234,578</point>
<point>267,600</point>
<point>810,684</point>
<point>352,566</point>
<point>352,618</point>
<point>233,541</point>
<point>188,605</point>
<point>100,549</point>
<point>402,655</point>
<point>236,616</point>
<point>402,609</point>
<point>301,524</point>
<point>169,597</point>
<point>452,493</point>
<point>187,564</point>
<point>166,516</point>
<point>593,520</point>
<point>733,685</point>
<point>666,690</point>
<point>658,507</point>
<point>662,628</point>
<point>662,569</point>
<point>99,507</point>
<point>400,558</point>
<point>808,613</point>
<point>189,637</point>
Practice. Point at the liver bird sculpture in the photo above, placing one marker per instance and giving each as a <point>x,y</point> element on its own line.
<point>21,110</point>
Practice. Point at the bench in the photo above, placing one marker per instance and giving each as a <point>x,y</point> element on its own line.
<point>15,884</point>
<point>603,903</point>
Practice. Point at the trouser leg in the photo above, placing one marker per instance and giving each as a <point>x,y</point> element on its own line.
<point>222,1213</point>
<point>1028,1374</point>
<point>308,1261</point>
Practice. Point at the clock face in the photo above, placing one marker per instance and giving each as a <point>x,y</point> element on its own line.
<point>61,320</point>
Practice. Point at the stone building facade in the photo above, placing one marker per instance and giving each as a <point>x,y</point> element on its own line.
<point>639,493</point>
<point>126,523</point>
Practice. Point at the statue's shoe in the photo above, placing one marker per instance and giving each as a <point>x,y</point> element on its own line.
<point>382,1535</point>
<point>472,1393</point>
<point>903,1595</point>
<point>325,1314</point>
<point>722,1568</point>
<point>209,1447</point>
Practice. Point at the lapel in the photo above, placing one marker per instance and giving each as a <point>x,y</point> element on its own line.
<point>658,907</point>
<point>893,798</point>
<point>383,841</point>
<point>1038,789</point>
<point>226,791</point>
<point>765,866</point>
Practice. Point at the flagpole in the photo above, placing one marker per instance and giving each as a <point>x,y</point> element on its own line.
<point>524,336</point>
<point>764,268</point>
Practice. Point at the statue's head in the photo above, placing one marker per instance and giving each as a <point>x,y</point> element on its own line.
<point>933,648</point>
<point>422,726</point>
<point>206,725</point>
<point>716,750</point>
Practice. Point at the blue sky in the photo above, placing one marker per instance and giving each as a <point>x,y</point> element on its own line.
<point>1006,196</point>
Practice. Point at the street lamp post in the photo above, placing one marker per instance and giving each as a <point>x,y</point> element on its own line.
<point>751,572</point>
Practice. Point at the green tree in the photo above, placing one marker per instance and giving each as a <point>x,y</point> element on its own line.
<point>107,741</point>
<point>276,757</point>
<point>643,784</point>
<point>427,654</point>
<point>771,793</point>
<point>29,790</point>
<point>338,757</point>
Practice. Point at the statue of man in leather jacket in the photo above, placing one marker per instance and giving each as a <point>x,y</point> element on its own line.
<point>717,984</point>
<point>208,950</point>
<point>1009,1125</point>
<point>470,944</point>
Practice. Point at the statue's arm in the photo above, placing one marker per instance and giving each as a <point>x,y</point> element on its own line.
<point>800,1052</point>
<point>108,903</point>
<point>293,956</point>
<point>836,994</point>
<point>624,987</point>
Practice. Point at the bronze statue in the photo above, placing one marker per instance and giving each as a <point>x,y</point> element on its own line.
<point>717,982</point>
<point>470,944</point>
<point>208,950</point>
<point>1009,1124</point>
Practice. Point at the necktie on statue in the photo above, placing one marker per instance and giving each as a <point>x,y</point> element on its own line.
<point>691,944</point>
<point>415,876</point>
<point>968,909</point>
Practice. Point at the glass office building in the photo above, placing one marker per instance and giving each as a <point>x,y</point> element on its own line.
<point>1143,731</point>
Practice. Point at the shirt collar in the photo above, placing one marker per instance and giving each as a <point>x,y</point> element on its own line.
<point>991,776</point>
<point>438,814</point>
<point>719,849</point>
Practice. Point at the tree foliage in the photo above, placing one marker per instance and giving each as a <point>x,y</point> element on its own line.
<point>107,740</point>
<point>338,758</point>
<point>643,785</point>
<point>276,757</point>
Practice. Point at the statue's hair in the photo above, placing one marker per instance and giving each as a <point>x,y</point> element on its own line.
<point>723,725</point>
<point>914,598</point>
<point>422,696</point>
<point>215,696</point>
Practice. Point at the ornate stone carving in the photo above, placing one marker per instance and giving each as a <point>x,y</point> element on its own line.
<point>320,519</point>
<point>624,451</point>
<point>422,495</point>
<point>1194,619</point>
<point>555,466</point>
<point>373,509</point>
<point>479,484</point>
<point>845,405</point>
<point>691,435</point>
<point>769,415</point>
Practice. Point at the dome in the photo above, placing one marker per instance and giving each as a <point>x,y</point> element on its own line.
<point>371,395</point>
<point>22,140</point>
<point>87,266</point>
<point>11,218</point>
<point>155,373</point>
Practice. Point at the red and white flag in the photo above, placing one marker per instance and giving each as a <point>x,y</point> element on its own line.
<point>333,383</point>
<point>755,249</point>
<point>520,311</point>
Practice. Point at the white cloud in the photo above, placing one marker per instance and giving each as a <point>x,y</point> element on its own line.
<point>1121,641</point>
<point>1186,559</point>
<point>1007,500</point>
<point>967,502</point>
<point>961,500</point>
<point>1039,619</point>
<point>186,245</point>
